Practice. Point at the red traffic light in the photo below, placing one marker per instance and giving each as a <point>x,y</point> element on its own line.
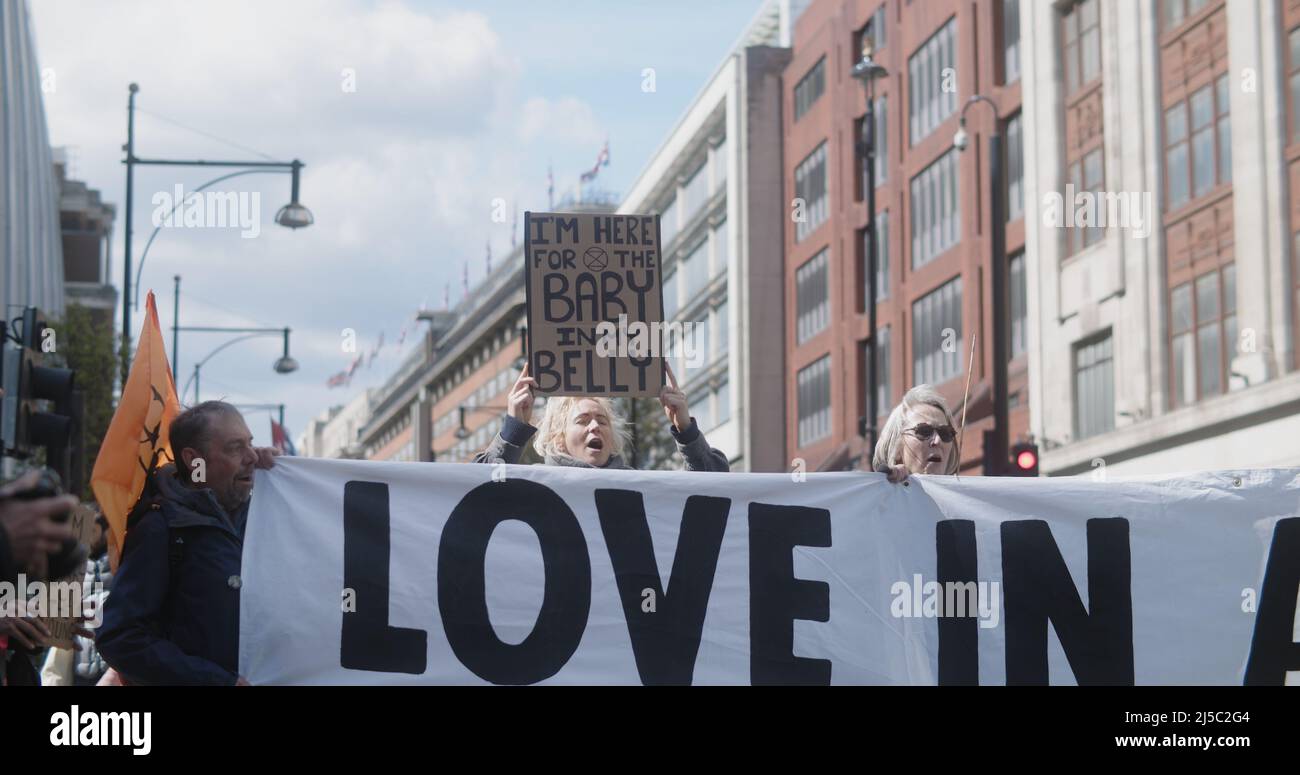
<point>1024,459</point>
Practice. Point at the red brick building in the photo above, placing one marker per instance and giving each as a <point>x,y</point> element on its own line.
<point>932,205</point>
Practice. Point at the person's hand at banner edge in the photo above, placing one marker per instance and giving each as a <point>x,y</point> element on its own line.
<point>522,396</point>
<point>896,473</point>
<point>674,402</point>
<point>30,632</point>
<point>266,457</point>
<point>32,533</point>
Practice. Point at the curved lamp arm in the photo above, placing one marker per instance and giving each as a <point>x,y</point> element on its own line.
<point>139,269</point>
<point>209,356</point>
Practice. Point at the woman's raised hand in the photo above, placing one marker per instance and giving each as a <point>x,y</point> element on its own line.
<point>674,402</point>
<point>520,405</point>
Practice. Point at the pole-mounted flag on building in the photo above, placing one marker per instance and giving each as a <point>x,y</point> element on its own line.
<point>602,160</point>
<point>280,439</point>
<point>136,441</point>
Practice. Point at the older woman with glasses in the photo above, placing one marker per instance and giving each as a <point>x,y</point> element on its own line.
<point>918,438</point>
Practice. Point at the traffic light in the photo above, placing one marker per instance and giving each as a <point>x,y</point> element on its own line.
<point>38,397</point>
<point>991,458</point>
<point>1024,459</point>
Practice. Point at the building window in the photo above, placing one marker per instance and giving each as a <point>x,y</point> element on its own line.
<point>1010,41</point>
<point>1087,174</point>
<point>1176,167</point>
<point>936,334</point>
<point>668,222</point>
<point>936,214</point>
<point>724,329</point>
<point>1094,388</point>
<point>670,296</point>
<point>695,271</point>
<point>883,406</point>
<point>1019,303</point>
<point>724,403</point>
<point>1015,169</point>
<point>705,355</point>
<point>1295,84</point>
<point>720,166</point>
<point>1175,11</point>
<point>1203,335</point>
<point>677,349</point>
<point>812,291</point>
<point>1082,35</point>
<point>814,396</point>
<point>930,70</point>
<point>809,88</point>
<point>700,409</point>
<point>1084,155</point>
<point>720,246</point>
<point>932,82</point>
<point>874,30</point>
<point>810,187</point>
<point>695,193</point>
<point>1197,161</point>
<point>882,259</point>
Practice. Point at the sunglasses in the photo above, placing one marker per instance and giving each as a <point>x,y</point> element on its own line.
<point>924,431</point>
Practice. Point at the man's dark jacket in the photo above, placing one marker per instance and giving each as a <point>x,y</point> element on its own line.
<point>173,614</point>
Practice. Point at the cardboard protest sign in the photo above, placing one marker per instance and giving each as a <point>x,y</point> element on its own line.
<point>62,628</point>
<point>595,303</point>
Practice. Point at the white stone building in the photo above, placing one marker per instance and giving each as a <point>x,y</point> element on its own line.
<point>31,251</point>
<point>1172,350</point>
<point>337,431</point>
<point>716,181</point>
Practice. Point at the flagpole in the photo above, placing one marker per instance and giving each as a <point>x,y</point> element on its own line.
<point>176,331</point>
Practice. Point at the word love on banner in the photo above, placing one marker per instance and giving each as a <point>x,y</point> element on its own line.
<point>586,275</point>
<point>361,572</point>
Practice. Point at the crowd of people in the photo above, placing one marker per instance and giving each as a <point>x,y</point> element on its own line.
<point>171,613</point>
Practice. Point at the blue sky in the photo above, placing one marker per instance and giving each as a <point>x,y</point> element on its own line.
<point>455,104</point>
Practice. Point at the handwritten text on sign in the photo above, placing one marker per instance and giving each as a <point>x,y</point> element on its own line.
<point>584,270</point>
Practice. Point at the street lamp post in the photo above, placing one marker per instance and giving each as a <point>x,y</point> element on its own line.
<point>995,446</point>
<point>285,364</point>
<point>867,71</point>
<point>462,432</point>
<point>293,215</point>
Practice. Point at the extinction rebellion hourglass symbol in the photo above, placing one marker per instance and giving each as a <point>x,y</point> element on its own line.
<point>595,258</point>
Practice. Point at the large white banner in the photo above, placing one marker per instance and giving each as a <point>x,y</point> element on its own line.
<point>424,573</point>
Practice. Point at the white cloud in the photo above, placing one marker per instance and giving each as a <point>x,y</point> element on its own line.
<point>400,174</point>
<point>567,120</point>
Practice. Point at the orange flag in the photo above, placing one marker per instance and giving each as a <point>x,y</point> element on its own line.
<point>136,441</point>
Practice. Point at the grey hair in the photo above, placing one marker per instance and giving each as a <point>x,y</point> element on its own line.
<point>192,428</point>
<point>889,449</point>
